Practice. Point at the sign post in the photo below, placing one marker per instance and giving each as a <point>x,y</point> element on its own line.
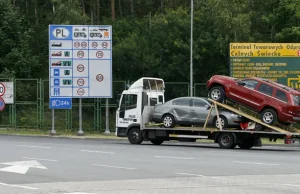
<point>275,61</point>
<point>80,64</point>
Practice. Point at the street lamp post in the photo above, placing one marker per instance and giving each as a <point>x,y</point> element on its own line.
<point>191,59</point>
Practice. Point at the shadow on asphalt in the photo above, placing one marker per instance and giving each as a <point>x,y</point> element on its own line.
<point>282,148</point>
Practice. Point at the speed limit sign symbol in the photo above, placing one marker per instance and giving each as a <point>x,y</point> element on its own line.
<point>2,89</point>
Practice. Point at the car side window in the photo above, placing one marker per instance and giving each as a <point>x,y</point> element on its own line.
<point>250,83</point>
<point>199,103</point>
<point>281,95</point>
<point>265,89</point>
<point>182,102</point>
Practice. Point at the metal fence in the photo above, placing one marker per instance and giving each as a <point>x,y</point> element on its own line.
<point>31,107</point>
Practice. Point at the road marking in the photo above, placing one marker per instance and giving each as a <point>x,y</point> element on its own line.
<point>256,163</point>
<point>291,185</point>
<point>79,193</point>
<point>95,151</point>
<point>113,166</point>
<point>40,159</point>
<point>29,146</point>
<point>24,187</point>
<point>21,167</point>
<point>170,157</point>
<point>182,173</point>
<point>199,175</point>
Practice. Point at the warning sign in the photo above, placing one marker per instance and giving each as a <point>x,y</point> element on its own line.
<point>99,54</point>
<point>99,77</point>
<point>80,68</point>
<point>80,54</point>
<point>80,91</point>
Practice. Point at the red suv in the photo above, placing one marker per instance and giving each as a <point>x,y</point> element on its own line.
<point>273,101</point>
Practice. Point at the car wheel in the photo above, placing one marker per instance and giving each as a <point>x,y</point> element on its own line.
<point>224,122</point>
<point>217,93</point>
<point>135,136</point>
<point>168,121</point>
<point>268,116</point>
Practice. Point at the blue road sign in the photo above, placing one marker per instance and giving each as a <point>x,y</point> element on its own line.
<point>56,82</point>
<point>80,56</point>
<point>2,104</point>
<point>56,72</point>
<point>60,103</point>
<point>56,91</point>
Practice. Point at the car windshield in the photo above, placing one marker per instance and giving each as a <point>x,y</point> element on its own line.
<point>296,100</point>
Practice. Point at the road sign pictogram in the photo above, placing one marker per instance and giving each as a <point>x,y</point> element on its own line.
<point>2,104</point>
<point>76,44</point>
<point>99,54</point>
<point>83,44</point>
<point>104,44</point>
<point>80,68</point>
<point>80,91</point>
<point>94,44</point>
<point>80,54</point>
<point>80,82</point>
<point>99,77</point>
<point>2,89</point>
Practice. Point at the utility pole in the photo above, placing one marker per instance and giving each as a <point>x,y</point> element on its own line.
<point>191,60</point>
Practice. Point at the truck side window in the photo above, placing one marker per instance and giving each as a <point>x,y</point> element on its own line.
<point>129,101</point>
<point>153,101</point>
<point>160,99</point>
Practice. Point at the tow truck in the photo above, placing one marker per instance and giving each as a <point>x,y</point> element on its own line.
<point>133,120</point>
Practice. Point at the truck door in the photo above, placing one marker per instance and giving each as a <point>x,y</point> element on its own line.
<point>128,111</point>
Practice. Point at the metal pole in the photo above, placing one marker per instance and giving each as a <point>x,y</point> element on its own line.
<point>191,59</point>
<point>53,132</point>
<point>80,132</point>
<point>107,118</point>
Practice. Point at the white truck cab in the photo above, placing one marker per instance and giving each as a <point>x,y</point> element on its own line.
<point>146,91</point>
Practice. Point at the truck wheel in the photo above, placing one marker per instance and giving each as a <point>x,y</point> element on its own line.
<point>247,144</point>
<point>226,140</point>
<point>268,116</point>
<point>168,121</point>
<point>156,141</point>
<point>217,93</point>
<point>135,136</point>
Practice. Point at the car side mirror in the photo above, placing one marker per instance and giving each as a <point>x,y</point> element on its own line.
<point>240,83</point>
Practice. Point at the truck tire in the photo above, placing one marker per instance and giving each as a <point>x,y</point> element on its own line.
<point>226,140</point>
<point>217,93</point>
<point>156,141</point>
<point>268,116</point>
<point>247,144</point>
<point>135,136</point>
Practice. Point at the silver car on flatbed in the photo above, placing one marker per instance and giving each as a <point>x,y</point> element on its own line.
<point>187,111</point>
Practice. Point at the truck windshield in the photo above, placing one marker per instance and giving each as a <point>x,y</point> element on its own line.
<point>296,100</point>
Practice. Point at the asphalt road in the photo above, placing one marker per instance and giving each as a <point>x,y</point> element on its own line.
<point>38,165</point>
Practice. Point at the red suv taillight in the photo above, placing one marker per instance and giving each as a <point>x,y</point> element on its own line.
<point>294,110</point>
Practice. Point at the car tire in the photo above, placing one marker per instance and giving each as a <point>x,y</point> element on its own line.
<point>135,136</point>
<point>226,140</point>
<point>217,93</point>
<point>223,120</point>
<point>268,116</point>
<point>168,121</point>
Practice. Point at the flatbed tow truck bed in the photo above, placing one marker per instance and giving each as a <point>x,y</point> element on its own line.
<point>226,138</point>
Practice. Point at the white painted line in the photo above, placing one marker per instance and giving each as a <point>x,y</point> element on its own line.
<point>256,163</point>
<point>291,185</point>
<point>40,159</point>
<point>170,157</point>
<point>95,151</point>
<point>182,173</point>
<point>199,175</point>
<point>24,187</point>
<point>29,146</point>
<point>113,166</point>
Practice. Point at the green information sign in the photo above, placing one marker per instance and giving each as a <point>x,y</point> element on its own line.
<point>275,61</point>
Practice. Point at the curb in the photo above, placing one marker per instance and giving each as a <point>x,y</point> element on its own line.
<point>106,138</point>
